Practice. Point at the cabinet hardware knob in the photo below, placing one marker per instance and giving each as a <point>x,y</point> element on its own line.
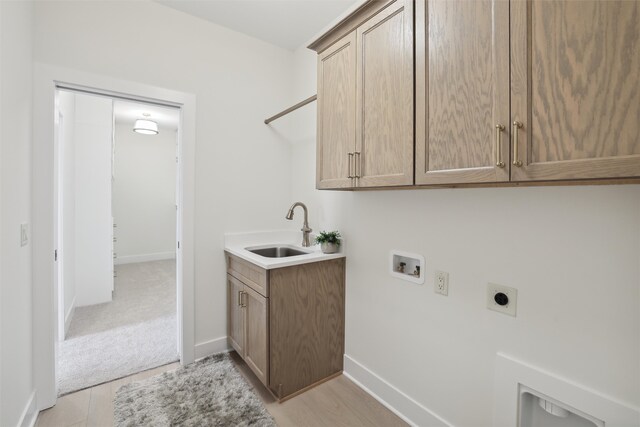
<point>516,127</point>
<point>499,130</point>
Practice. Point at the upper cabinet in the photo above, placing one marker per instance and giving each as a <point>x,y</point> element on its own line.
<point>365,100</point>
<point>384,102</point>
<point>462,91</point>
<point>501,91</point>
<point>575,92</point>
<point>336,114</point>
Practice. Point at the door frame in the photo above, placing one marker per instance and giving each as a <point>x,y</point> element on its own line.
<point>47,79</point>
<point>58,226</point>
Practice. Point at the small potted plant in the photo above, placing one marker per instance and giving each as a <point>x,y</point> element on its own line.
<point>329,241</point>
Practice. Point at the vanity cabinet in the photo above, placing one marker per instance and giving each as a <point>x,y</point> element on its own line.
<point>306,325</point>
<point>365,101</point>
<point>235,314</point>
<point>247,327</point>
<point>287,323</point>
<point>506,92</point>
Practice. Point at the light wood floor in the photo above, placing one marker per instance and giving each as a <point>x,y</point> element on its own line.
<point>336,403</point>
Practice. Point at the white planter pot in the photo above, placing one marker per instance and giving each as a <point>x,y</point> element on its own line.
<point>329,248</point>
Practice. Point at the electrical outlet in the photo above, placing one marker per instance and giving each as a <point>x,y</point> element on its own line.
<point>441,283</point>
<point>502,299</point>
<point>24,234</point>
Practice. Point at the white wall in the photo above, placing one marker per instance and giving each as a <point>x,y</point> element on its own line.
<point>93,136</point>
<point>67,185</point>
<point>144,194</point>
<point>16,386</point>
<point>573,253</point>
<point>242,166</point>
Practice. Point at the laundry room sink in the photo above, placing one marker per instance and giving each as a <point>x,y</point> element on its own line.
<point>279,251</point>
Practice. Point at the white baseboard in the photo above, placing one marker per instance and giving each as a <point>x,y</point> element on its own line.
<point>208,348</point>
<point>390,396</point>
<point>130,259</point>
<point>68,316</point>
<point>30,413</point>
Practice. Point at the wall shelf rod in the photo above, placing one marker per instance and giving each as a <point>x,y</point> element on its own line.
<point>290,109</point>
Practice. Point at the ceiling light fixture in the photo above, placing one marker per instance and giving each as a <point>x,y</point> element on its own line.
<point>146,126</point>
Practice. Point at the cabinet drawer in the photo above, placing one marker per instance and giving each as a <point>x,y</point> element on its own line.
<point>251,275</point>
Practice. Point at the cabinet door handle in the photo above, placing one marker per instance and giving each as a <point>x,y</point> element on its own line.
<point>239,298</point>
<point>516,127</point>
<point>242,303</point>
<point>350,161</point>
<point>357,164</point>
<point>499,130</point>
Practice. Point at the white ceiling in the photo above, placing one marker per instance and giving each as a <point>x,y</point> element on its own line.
<point>284,23</point>
<point>127,112</point>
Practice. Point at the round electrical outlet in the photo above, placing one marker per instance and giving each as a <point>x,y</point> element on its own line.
<point>501,298</point>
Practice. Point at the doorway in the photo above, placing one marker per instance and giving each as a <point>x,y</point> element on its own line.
<point>116,236</point>
<point>47,79</point>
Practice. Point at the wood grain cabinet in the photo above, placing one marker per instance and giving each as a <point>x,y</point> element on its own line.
<point>365,100</point>
<point>235,314</point>
<point>336,115</point>
<point>575,70</point>
<point>462,91</point>
<point>505,92</point>
<point>287,323</point>
<point>527,90</point>
<point>247,326</point>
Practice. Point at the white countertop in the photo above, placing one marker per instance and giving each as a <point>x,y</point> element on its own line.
<point>236,244</point>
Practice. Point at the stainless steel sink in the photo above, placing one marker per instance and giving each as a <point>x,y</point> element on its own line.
<point>277,251</point>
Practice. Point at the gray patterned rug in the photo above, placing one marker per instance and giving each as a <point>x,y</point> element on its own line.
<point>210,392</point>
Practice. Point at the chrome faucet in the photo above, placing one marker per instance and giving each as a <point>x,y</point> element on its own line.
<point>306,231</point>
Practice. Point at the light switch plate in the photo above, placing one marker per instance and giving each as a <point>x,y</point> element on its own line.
<point>502,299</point>
<point>24,234</point>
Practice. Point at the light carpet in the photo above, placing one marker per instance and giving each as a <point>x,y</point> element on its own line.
<point>135,332</point>
<point>210,392</point>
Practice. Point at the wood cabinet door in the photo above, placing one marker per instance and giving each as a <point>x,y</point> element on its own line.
<point>384,102</point>
<point>462,91</point>
<point>336,114</point>
<point>256,333</point>
<point>235,314</point>
<point>575,69</point>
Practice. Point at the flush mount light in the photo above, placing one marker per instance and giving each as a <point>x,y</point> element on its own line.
<point>146,126</point>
